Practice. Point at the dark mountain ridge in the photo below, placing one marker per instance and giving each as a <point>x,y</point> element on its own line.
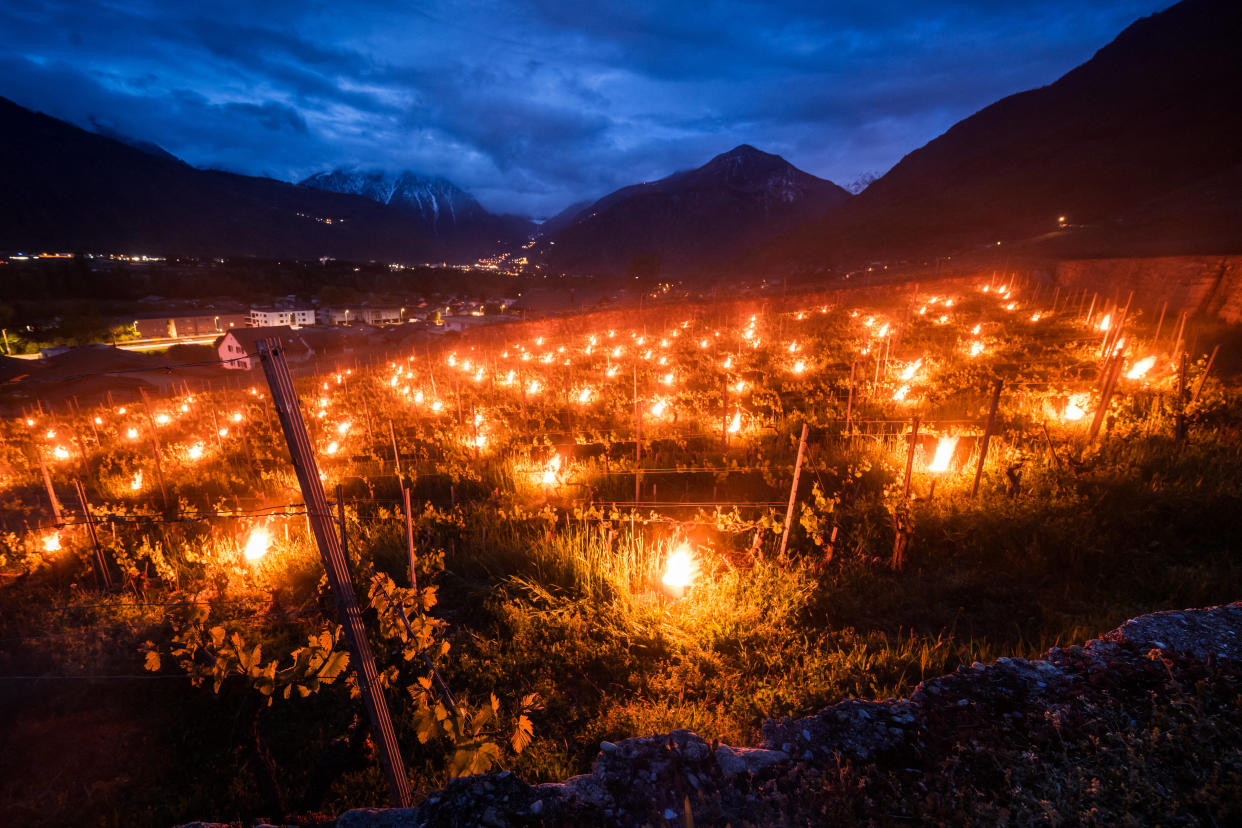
<point>692,219</point>
<point>1125,147</point>
<point>69,189</point>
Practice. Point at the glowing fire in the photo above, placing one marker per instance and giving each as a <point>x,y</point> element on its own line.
<point>1105,323</point>
<point>944,454</point>
<point>257,544</point>
<point>659,408</point>
<point>910,370</point>
<point>551,471</point>
<point>1140,368</point>
<point>195,451</point>
<point>132,434</point>
<point>333,447</point>
<point>136,483</point>
<point>900,393</point>
<point>51,542</point>
<point>584,396</point>
<point>679,570</point>
<point>976,348</point>
<point>1074,409</point>
<point>735,425</point>
<point>61,453</point>
<point>799,367</point>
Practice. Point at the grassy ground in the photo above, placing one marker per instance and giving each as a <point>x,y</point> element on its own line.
<point>537,597</point>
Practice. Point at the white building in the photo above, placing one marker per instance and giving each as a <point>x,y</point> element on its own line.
<point>269,317</point>
<point>238,349</point>
<point>359,316</point>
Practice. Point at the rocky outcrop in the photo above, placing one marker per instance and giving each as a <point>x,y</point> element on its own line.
<point>1006,728</point>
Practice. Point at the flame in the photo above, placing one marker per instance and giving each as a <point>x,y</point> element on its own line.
<point>257,544</point>
<point>799,367</point>
<point>195,451</point>
<point>161,419</point>
<point>735,425</point>
<point>910,370</point>
<point>976,348</point>
<point>551,471</point>
<point>61,453</point>
<point>1035,317</point>
<point>51,541</point>
<point>900,393</point>
<point>343,428</point>
<point>659,408</point>
<point>680,569</point>
<point>1105,323</point>
<point>132,434</point>
<point>944,454</point>
<point>1140,368</point>
<point>584,396</point>
<point>333,447</point>
<point>136,483</point>
<point>668,378</point>
<point>224,431</point>
<point>1074,409</point>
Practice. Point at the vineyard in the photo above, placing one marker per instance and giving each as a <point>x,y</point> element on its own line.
<point>585,528</point>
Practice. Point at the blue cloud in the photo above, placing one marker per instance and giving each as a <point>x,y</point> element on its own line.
<point>538,103</point>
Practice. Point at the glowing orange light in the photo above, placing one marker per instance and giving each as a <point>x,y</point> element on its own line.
<point>1075,408</point>
<point>136,483</point>
<point>910,370</point>
<point>735,425</point>
<point>1140,368</point>
<point>680,570</point>
<point>257,544</point>
<point>51,542</point>
<point>132,434</point>
<point>944,454</point>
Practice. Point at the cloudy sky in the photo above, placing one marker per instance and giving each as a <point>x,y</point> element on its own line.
<point>534,104</point>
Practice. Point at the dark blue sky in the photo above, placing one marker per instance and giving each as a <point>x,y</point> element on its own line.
<point>534,104</point>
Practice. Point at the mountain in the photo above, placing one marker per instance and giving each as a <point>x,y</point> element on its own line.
<point>443,210</point>
<point>1138,149</point>
<point>555,224</point>
<point>690,220</point>
<point>69,189</point>
<point>146,146</point>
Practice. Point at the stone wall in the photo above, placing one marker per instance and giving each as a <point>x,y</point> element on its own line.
<point>959,735</point>
<point>1208,285</point>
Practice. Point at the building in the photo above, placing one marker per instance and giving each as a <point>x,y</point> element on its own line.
<point>360,316</point>
<point>238,349</point>
<point>293,317</point>
<point>169,326</point>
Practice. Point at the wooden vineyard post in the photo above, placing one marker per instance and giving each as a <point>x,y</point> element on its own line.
<point>914,441</point>
<point>1110,382</point>
<point>396,455</point>
<point>51,493</point>
<point>155,443</point>
<point>409,535</point>
<point>724,411</point>
<point>1179,434</point>
<point>793,489</point>
<point>1207,369</point>
<point>849,405</point>
<point>638,440</point>
<point>987,437</point>
<point>104,576</point>
<point>319,515</point>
